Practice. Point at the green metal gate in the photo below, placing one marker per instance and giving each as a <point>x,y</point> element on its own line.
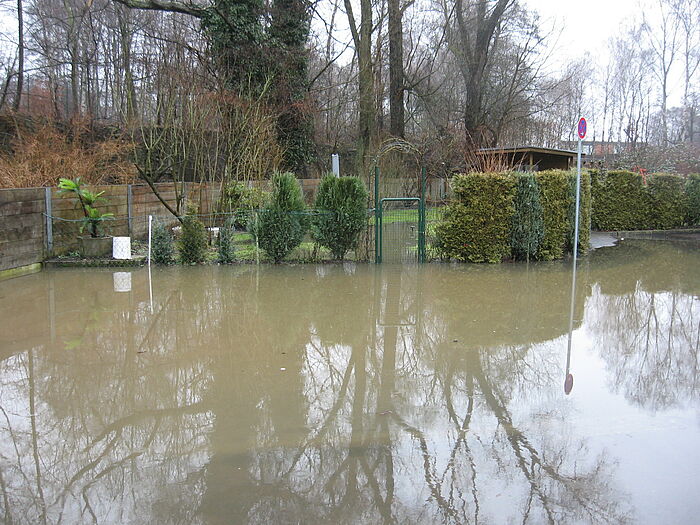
<point>397,222</point>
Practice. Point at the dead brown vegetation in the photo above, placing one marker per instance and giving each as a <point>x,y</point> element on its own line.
<point>41,153</point>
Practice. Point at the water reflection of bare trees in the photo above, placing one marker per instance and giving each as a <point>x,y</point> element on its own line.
<point>651,343</point>
<point>259,399</point>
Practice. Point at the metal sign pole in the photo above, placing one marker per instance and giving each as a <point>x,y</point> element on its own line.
<point>569,381</point>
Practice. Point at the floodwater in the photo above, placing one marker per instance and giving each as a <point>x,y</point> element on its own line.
<point>354,394</point>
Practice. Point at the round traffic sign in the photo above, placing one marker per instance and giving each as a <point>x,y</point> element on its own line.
<point>582,128</point>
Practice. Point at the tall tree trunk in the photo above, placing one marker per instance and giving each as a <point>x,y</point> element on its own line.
<point>396,72</point>
<point>20,55</point>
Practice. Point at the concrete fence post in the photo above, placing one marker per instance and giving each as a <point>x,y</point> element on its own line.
<point>49,222</point>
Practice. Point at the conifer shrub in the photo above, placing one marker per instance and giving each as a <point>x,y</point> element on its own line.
<point>528,225</point>
<point>555,197</point>
<point>620,201</point>
<point>342,203</point>
<point>692,191</point>
<point>667,201</point>
<point>225,242</point>
<point>281,225</point>
<point>476,226</point>
<point>584,227</point>
<point>162,244</point>
<point>193,243</point>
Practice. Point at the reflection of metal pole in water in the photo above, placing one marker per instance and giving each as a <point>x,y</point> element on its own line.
<point>569,381</point>
<point>150,288</point>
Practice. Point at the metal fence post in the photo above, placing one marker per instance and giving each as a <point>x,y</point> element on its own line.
<point>377,215</point>
<point>129,198</point>
<point>421,216</point>
<point>49,222</point>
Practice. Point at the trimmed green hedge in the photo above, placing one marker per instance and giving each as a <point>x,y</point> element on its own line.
<point>692,191</point>
<point>621,201</point>
<point>667,201</point>
<point>477,224</point>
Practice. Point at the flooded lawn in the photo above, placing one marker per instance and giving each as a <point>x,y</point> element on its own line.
<point>355,394</point>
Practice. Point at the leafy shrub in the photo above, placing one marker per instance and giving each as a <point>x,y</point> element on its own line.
<point>344,202</point>
<point>528,225</point>
<point>477,224</point>
<point>667,201</point>
<point>225,242</point>
<point>193,243</point>
<point>241,199</point>
<point>280,227</point>
<point>162,244</point>
<point>692,191</point>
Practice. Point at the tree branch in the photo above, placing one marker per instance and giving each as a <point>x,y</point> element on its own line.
<point>172,6</point>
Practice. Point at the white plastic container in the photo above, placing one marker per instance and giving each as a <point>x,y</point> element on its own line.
<point>121,248</point>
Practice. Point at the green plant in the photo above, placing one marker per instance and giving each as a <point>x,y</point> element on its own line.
<point>162,244</point>
<point>92,217</point>
<point>555,197</point>
<point>280,227</point>
<point>667,201</point>
<point>620,201</point>
<point>528,224</point>
<point>240,199</point>
<point>477,224</point>
<point>193,243</point>
<point>342,203</point>
<point>692,191</point>
<point>225,242</point>
<point>584,233</point>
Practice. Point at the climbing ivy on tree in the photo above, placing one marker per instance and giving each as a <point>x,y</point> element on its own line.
<point>251,53</point>
<point>255,44</point>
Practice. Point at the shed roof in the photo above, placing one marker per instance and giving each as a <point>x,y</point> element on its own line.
<point>527,149</point>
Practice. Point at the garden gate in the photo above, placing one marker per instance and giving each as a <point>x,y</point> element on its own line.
<point>399,225</point>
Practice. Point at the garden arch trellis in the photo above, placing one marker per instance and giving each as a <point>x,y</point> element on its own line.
<point>382,204</point>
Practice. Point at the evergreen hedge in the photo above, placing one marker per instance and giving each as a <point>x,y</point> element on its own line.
<point>667,201</point>
<point>555,197</point>
<point>621,201</point>
<point>692,191</point>
<point>585,209</point>
<point>494,216</point>
<point>477,225</point>
<point>528,223</point>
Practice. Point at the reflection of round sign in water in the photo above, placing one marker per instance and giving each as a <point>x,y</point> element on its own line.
<point>568,384</point>
<point>582,128</point>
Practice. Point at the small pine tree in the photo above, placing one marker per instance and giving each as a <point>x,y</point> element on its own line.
<point>193,244</point>
<point>280,227</point>
<point>162,245</point>
<point>225,242</point>
<point>343,201</point>
<point>528,224</point>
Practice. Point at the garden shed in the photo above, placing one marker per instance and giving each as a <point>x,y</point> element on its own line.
<point>530,158</point>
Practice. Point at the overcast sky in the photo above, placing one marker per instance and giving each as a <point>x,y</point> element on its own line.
<point>586,26</point>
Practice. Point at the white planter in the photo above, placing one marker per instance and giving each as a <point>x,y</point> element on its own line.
<point>121,248</point>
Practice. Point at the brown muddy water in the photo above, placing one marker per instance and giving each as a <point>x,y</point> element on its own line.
<point>354,394</point>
